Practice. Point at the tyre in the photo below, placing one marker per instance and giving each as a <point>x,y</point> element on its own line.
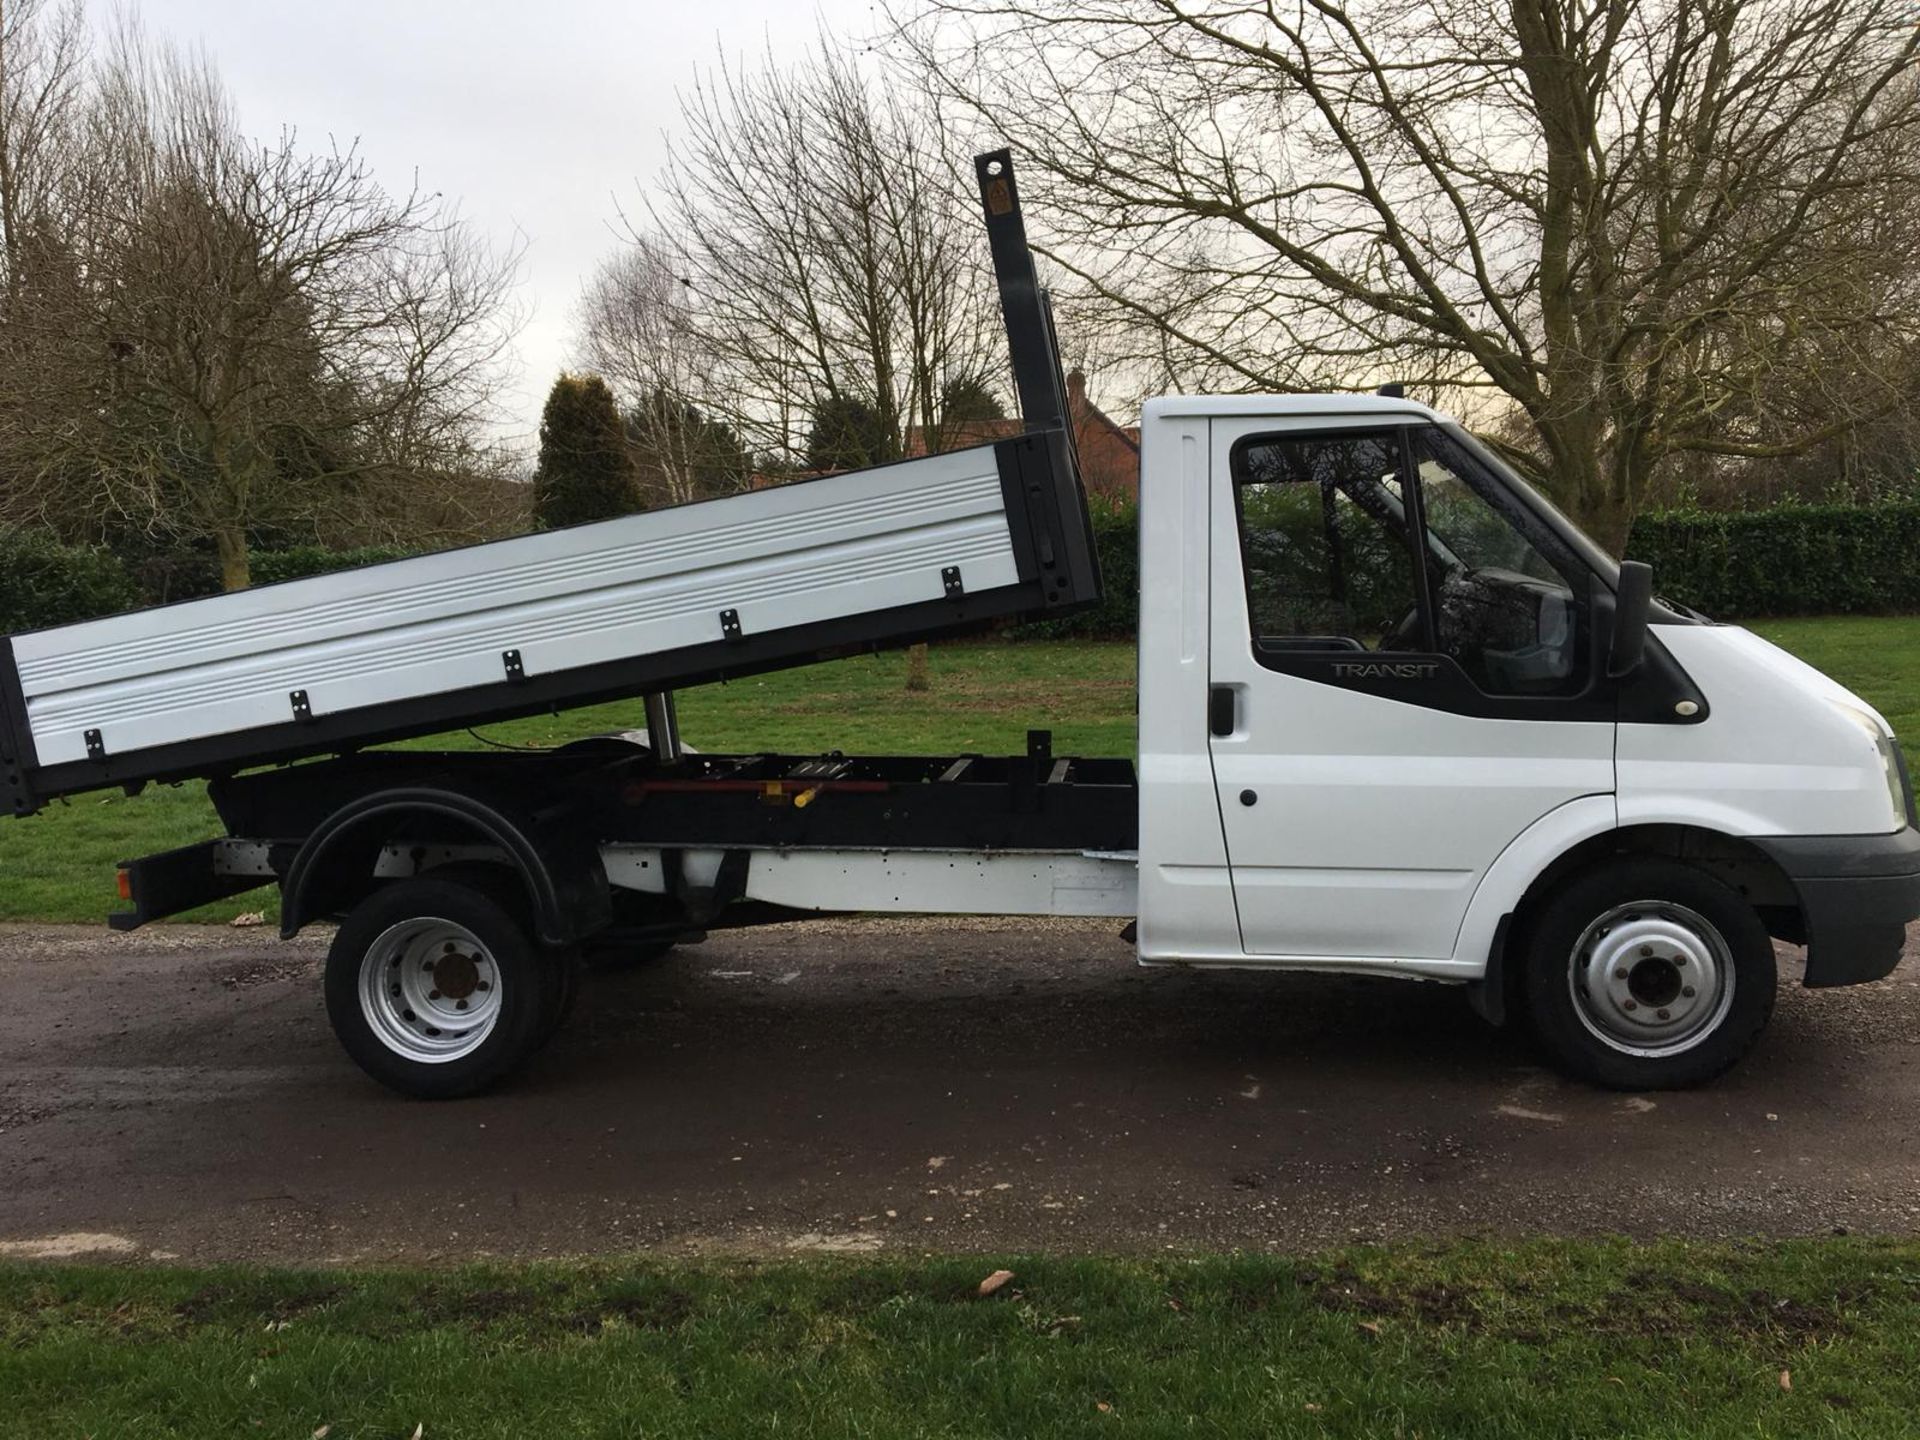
<point>1647,974</point>
<point>436,990</point>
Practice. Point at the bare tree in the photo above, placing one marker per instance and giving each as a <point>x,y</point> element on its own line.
<point>243,336</point>
<point>1626,217</point>
<point>636,331</point>
<point>42,56</point>
<point>810,241</point>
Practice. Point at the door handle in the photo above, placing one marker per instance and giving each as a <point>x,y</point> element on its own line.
<point>1222,710</point>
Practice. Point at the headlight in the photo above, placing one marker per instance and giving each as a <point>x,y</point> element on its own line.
<point>1889,750</point>
<point>1902,783</point>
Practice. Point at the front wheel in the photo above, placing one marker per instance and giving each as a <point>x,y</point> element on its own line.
<point>435,990</point>
<point>1647,974</point>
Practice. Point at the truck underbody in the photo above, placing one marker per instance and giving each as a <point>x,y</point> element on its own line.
<point>619,845</point>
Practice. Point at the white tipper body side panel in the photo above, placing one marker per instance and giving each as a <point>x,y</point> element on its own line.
<point>652,582</point>
<point>911,882</point>
<point>1776,755</point>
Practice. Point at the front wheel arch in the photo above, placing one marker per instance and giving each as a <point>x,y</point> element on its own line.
<point>1737,863</point>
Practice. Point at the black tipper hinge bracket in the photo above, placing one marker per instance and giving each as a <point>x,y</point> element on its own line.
<point>730,624</point>
<point>302,710</point>
<point>956,588</point>
<point>516,672</point>
<point>96,747</point>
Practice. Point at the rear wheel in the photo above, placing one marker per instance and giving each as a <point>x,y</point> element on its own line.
<point>435,990</point>
<point>1647,974</point>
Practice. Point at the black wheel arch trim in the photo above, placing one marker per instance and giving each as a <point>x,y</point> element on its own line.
<point>566,882</point>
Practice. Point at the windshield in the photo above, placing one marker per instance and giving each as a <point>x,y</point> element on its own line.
<point>1603,564</point>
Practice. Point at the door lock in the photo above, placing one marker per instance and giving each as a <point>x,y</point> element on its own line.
<point>1247,797</point>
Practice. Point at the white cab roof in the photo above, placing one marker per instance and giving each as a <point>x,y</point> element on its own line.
<point>1166,407</point>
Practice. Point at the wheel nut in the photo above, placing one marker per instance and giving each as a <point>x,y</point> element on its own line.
<point>1679,959</point>
<point>448,948</point>
<point>461,1005</point>
<point>483,985</point>
<point>1664,1015</point>
<point>1646,950</point>
<point>1687,990</point>
<point>1620,974</point>
<point>433,995</point>
<point>1631,1005</point>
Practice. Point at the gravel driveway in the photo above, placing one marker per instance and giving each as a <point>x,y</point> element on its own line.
<point>863,1085</point>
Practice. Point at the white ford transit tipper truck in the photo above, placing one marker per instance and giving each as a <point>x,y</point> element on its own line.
<point>1397,716</point>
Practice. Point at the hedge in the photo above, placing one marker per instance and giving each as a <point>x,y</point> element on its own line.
<point>1785,560</point>
<point>272,566</point>
<point>1751,564</point>
<point>43,582</point>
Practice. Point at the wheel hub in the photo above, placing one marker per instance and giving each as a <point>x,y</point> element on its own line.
<point>456,976</point>
<point>1651,978</point>
<point>429,990</point>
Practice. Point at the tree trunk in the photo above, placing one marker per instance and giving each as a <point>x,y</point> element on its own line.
<point>236,570</point>
<point>1609,520</point>
<point>917,668</point>
<point>1580,479</point>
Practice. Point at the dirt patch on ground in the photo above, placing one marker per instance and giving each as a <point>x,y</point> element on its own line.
<point>781,1091</point>
<point>1641,1305</point>
<point>268,972</point>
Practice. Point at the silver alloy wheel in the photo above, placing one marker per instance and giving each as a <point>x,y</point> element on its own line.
<point>1651,978</point>
<point>429,990</point>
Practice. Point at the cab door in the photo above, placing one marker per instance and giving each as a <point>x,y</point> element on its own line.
<point>1403,675</point>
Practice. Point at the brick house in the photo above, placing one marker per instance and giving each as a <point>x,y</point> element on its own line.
<point>1109,452</point>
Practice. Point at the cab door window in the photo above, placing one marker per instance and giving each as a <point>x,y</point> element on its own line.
<point>1398,540</point>
<point>1325,543</point>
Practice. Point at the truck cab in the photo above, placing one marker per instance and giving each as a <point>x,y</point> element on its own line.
<point>1399,715</point>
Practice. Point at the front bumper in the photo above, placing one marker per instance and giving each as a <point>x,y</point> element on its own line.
<point>1857,893</point>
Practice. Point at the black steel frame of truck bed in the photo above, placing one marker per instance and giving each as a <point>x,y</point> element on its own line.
<point>610,791</point>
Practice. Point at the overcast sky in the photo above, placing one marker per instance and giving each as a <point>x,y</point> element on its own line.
<point>536,116</point>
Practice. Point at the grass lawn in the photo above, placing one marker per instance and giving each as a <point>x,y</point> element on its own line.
<point>1562,1338</point>
<point>1876,657</point>
<point>984,697</point>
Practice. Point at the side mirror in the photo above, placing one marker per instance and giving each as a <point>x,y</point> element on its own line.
<point>1631,603</point>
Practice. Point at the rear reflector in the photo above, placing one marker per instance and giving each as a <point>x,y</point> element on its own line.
<point>124,881</point>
